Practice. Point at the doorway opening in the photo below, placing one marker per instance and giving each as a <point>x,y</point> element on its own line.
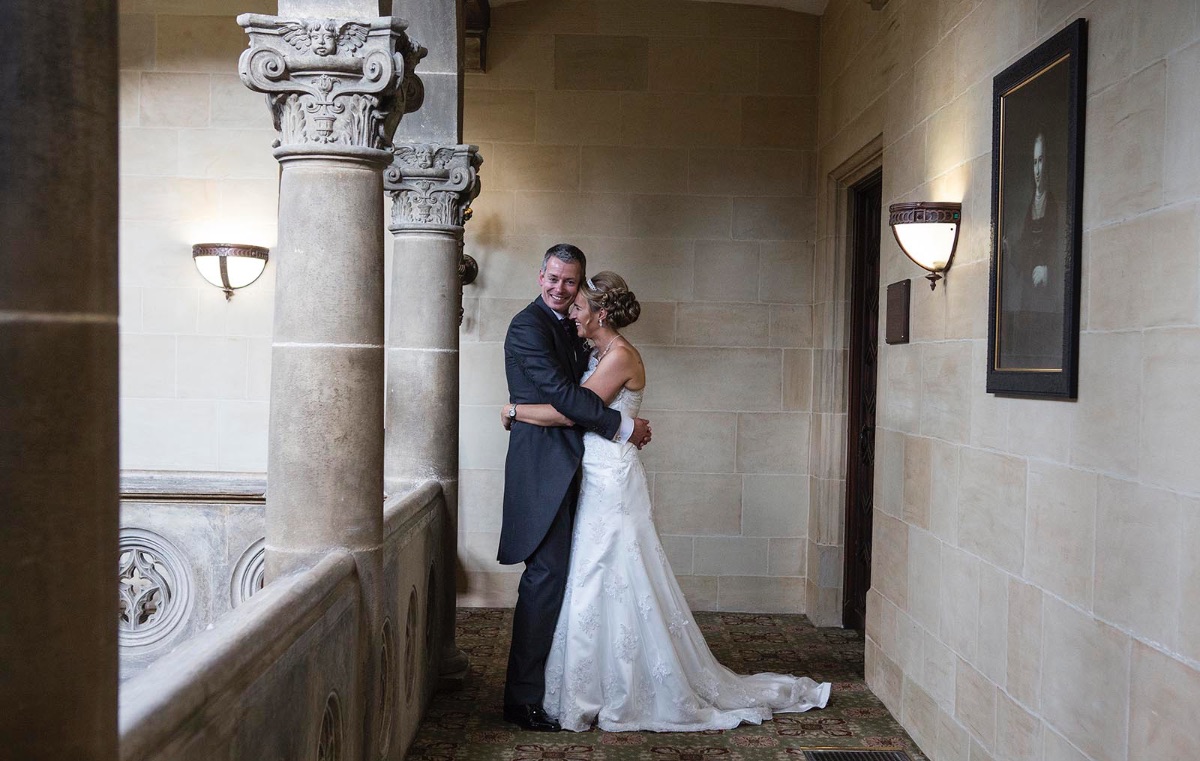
<point>865,212</point>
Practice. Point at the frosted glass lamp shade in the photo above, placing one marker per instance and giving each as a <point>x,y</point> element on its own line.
<point>229,266</point>
<point>927,232</point>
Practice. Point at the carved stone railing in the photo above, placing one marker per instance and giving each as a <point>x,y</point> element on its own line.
<point>191,548</point>
<point>185,701</point>
<point>219,694</point>
<point>192,486</point>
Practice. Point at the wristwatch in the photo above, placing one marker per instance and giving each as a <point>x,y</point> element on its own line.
<point>512,412</point>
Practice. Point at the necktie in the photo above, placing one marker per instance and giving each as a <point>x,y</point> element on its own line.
<point>568,326</point>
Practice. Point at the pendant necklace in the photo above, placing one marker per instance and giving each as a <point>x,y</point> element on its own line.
<point>600,356</point>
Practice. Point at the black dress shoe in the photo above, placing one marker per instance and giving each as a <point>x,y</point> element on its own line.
<point>531,717</point>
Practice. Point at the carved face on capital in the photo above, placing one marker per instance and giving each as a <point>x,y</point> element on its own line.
<point>324,37</point>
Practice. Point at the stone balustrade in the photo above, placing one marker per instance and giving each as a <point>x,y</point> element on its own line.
<point>230,691</point>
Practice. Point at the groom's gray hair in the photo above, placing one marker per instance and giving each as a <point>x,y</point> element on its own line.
<point>567,253</point>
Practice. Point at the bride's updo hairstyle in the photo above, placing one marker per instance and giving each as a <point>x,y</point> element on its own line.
<point>608,291</point>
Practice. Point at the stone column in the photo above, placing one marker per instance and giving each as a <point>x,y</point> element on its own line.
<point>428,202</point>
<point>58,380</point>
<point>336,87</point>
<point>431,186</point>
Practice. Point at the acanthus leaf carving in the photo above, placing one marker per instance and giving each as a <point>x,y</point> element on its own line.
<point>332,82</point>
<point>432,185</point>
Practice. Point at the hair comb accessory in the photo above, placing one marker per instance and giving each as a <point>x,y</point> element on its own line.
<point>590,284</point>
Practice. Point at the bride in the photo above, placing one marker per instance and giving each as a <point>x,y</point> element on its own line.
<point>626,653</point>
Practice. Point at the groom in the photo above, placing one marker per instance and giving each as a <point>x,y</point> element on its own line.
<point>544,359</point>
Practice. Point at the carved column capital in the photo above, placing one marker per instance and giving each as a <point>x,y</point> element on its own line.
<point>334,86</point>
<point>431,185</point>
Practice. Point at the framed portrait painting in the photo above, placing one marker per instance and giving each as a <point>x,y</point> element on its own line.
<point>1037,194</point>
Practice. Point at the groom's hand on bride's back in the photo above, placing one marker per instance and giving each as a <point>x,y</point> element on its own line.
<point>641,432</point>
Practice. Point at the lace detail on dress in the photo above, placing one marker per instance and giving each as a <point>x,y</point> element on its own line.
<point>589,622</point>
<point>626,401</point>
<point>627,644</point>
<point>581,675</point>
<point>626,653</point>
<point>615,586</point>
<point>645,607</point>
<point>596,528</point>
<point>635,551</point>
<point>553,679</point>
<point>708,686</point>
<point>642,698</point>
<point>660,672</point>
<point>610,684</point>
<point>685,703</point>
<point>678,623</point>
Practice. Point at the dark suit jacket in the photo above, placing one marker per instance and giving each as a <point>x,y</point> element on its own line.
<point>543,365</point>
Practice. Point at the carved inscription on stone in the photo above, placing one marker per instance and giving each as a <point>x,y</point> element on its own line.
<point>332,81</point>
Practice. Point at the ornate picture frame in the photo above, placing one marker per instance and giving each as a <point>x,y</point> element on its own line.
<point>1038,107</point>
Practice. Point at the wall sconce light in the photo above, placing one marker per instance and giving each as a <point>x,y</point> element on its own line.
<point>230,266</point>
<point>927,232</point>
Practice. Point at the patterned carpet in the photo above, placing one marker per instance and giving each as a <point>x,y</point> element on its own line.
<point>467,725</point>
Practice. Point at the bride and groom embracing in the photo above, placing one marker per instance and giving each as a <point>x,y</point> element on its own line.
<point>601,631</point>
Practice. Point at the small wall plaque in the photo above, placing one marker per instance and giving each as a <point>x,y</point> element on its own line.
<point>897,312</point>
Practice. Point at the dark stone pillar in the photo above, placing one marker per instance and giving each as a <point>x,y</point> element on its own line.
<point>58,380</point>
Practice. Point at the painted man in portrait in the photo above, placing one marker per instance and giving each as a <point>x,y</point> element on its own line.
<point>1034,266</point>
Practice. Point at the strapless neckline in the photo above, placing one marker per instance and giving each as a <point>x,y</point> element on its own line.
<point>626,401</point>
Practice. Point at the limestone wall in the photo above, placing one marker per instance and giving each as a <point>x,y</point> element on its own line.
<point>1035,573</point>
<point>673,142</point>
<point>195,166</point>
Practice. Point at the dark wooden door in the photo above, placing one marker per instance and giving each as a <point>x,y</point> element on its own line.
<point>866,202</point>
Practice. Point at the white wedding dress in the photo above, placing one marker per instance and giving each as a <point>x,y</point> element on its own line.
<point>626,653</point>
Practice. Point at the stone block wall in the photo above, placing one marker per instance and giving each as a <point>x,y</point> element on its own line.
<point>195,166</point>
<point>674,143</point>
<point>1034,570</point>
